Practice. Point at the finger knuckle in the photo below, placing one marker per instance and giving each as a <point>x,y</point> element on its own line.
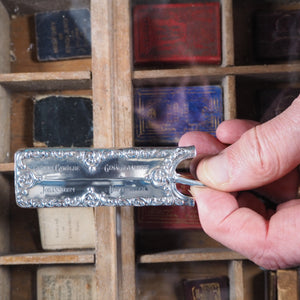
<point>265,160</point>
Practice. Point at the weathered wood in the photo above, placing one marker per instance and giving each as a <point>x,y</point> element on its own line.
<point>21,7</point>
<point>287,285</point>
<point>83,257</point>
<point>227,33</point>
<point>5,283</point>
<point>190,255</point>
<point>5,40</point>
<point>46,81</point>
<point>4,215</point>
<point>21,123</point>
<point>229,97</point>
<point>102,68</point>
<point>103,86</point>
<point>6,167</point>
<point>4,150</point>
<point>127,285</point>
<point>5,125</point>
<point>4,235</point>
<point>123,137</point>
<point>122,98</point>
<point>236,280</point>
<point>197,74</point>
<point>4,96</point>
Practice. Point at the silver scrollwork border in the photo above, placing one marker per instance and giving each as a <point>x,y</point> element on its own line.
<point>162,176</point>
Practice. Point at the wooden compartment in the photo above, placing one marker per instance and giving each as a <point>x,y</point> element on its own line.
<point>23,51</point>
<point>251,89</point>
<point>244,28</point>
<point>243,278</point>
<point>129,263</point>
<point>21,78</point>
<point>171,278</point>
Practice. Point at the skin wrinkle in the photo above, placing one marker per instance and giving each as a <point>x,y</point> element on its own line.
<point>262,165</point>
<point>270,261</point>
<point>233,159</point>
<point>290,122</point>
<point>293,134</point>
<point>226,223</point>
<point>277,130</point>
<point>258,148</point>
<point>295,120</point>
<point>266,245</point>
<point>252,140</point>
<point>267,252</point>
<point>274,255</point>
<point>229,137</point>
<point>267,225</point>
<point>256,140</point>
<point>221,223</point>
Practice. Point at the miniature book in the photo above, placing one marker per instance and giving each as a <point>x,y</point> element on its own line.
<point>277,34</point>
<point>167,217</point>
<point>63,34</point>
<point>63,121</point>
<point>67,228</point>
<point>164,114</point>
<point>177,33</point>
<point>66,282</point>
<point>207,288</point>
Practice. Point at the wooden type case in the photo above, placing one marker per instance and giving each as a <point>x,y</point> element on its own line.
<point>127,264</point>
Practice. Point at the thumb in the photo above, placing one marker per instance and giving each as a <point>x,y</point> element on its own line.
<point>262,154</point>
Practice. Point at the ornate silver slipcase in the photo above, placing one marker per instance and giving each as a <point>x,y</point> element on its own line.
<point>63,177</point>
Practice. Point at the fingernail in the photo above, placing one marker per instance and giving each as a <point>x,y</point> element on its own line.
<point>214,170</point>
<point>195,190</point>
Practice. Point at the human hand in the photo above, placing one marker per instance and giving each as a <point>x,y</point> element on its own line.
<point>262,157</point>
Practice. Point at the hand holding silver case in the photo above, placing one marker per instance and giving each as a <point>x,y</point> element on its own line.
<point>62,177</point>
